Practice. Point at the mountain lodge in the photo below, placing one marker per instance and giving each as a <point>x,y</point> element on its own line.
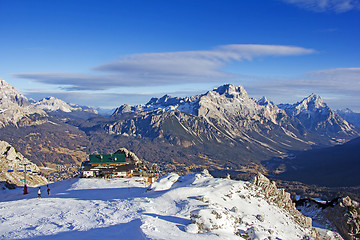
<point>115,166</point>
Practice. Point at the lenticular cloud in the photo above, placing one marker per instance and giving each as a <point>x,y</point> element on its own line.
<point>155,69</point>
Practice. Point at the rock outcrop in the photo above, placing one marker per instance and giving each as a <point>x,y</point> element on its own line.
<point>248,210</point>
<point>340,215</point>
<point>281,198</point>
<point>129,154</point>
<point>11,159</point>
<point>345,215</point>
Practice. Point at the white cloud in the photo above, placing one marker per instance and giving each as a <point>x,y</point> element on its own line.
<point>337,80</point>
<point>196,63</point>
<point>97,99</point>
<point>338,6</point>
<point>70,81</point>
<point>156,69</point>
<point>340,87</point>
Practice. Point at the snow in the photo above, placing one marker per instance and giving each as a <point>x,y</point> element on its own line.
<point>195,206</point>
<point>164,182</point>
<point>14,106</point>
<point>53,104</point>
<point>319,221</point>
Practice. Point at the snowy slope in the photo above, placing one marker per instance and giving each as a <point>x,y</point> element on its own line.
<point>195,206</point>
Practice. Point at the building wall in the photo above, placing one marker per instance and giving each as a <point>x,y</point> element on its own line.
<point>88,174</point>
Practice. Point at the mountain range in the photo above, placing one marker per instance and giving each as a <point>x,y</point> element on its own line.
<point>230,111</point>
<point>350,116</point>
<point>222,129</point>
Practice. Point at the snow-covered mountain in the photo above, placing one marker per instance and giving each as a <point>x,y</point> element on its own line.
<point>224,100</point>
<point>350,116</point>
<point>10,94</point>
<point>230,112</point>
<point>228,127</point>
<point>195,206</point>
<point>227,107</point>
<point>15,108</point>
<point>11,159</point>
<point>315,115</point>
<point>52,104</point>
<point>231,106</point>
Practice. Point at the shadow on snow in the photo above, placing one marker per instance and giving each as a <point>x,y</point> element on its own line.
<point>103,194</point>
<point>130,230</point>
<point>181,223</point>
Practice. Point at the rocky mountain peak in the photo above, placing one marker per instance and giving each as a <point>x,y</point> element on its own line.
<point>10,94</point>
<point>126,108</point>
<point>123,109</point>
<point>311,102</point>
<point>265,102</point>
<point>231,91</point>
<point>164,101</point>
<point>315,115</point>
<point>15,108</point>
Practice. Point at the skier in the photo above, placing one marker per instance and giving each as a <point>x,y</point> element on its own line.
<point>39,193</point>
<point>48,190</point>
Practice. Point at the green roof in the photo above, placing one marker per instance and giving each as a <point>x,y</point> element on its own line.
<point>107,158</point>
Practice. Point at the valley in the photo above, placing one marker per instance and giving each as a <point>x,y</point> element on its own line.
<point>305,148</point>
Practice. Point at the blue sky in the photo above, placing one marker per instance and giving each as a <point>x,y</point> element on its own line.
<point>108,53</point>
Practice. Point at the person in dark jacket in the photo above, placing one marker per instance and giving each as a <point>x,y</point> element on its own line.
<point>48,190</point>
